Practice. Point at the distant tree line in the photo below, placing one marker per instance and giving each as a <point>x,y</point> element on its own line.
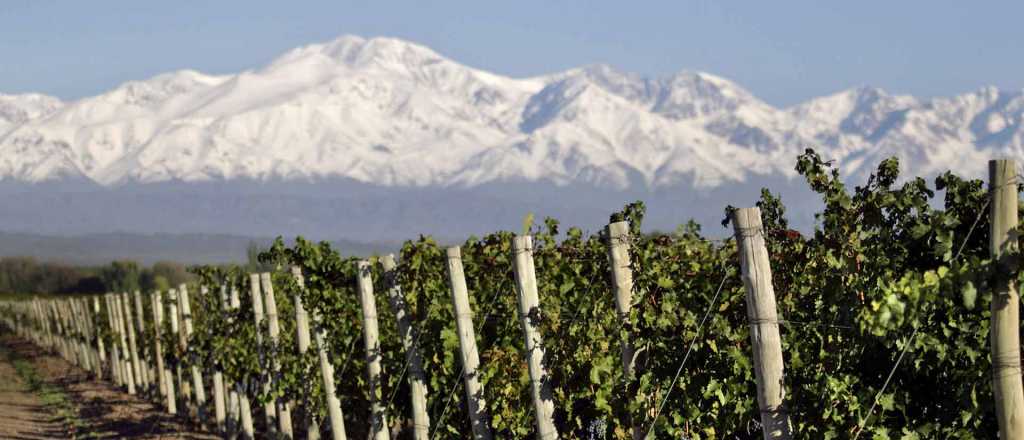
<point>28,275</point>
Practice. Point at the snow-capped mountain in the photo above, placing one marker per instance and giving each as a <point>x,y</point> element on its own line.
<point>392,113</point>
<point>382,139</point>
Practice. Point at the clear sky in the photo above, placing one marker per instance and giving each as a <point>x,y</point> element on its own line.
<point>783,51</point>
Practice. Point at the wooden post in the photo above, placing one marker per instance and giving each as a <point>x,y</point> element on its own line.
<point>220,409</point>
<point>302,343</point>
<point>116,366</point>
<point>764,322</point>
<point>529,306</point>
<point>197,375</point>
<point>101,350</point>
<point>168,375</point>
<point>619,243</point>
<point>326,370</point>
<point>371,339</point>
<point>133,345</point>
<point>284,412</point>
<point>622,284</point>
<point>417,379</point>
<point>269,409</point>
<point>1005,327</point>
<point>147,380</point>
<point>478,417</point>
<point>244,407</point>
<point>156,304</point>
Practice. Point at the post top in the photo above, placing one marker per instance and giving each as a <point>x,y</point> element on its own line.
<point>746,218</point>
<point>618,229</point>
<point>522,242</point>
<point>454,252</point>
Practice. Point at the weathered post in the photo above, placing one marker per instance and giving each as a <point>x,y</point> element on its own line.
<point>197,375</point>
<point>302,343</point>
<point>156,304</point>
<point>326,370</point>
<point>371,339</point>
<point>417,379</point>
<point>101,350</point>
<point>122,330</point>
<point>1005,327</point>
<point>764,322</point>
<point>269,409</point>
<point>529,308</point>
<point>147,380</point>
<point>478,417</point>
<point>284,412</point>
<point>167,375</point>
<point>133,345</point>
<point>116,366</point>
<point>220,409</point>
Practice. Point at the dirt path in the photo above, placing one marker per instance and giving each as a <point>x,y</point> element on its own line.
<point>91,409</point>
<point>22,412</point>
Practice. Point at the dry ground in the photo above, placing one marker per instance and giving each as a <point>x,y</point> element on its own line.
<point>42,396</point>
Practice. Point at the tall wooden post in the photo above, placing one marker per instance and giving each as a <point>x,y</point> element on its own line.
<point>172,318</point>
<point>619,243</point>
<point>417,379</point>
<point>1005,327</point>
<point>269,409</point>
<point>302,341</point>
<point>622,283</point>
<point>284,412</point>
<point>101,349</point>
<point>197,375</point>
<point>158,354</point>
<point>239,394</point>
<point>371,339</point>
<point>529,307</point>
<point>147,379</point>
<point>478,416</point>
<point>334,413</point>
<point>133,345</point>
<point>220,403</point>
<point>764,322</point>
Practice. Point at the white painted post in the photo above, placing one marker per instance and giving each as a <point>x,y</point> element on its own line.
<point>417,379</point>
<point>334,413</point>
<point>529,306</point>
<point>478,417</point>
<point>1005,321</point>
<point>764,322</point>
<point>371,339</point>
<point>269,409</point>
<point>173,313</point>
<point>284,412</point>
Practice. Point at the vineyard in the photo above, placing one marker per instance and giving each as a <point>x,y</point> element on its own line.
<point>881,323</point>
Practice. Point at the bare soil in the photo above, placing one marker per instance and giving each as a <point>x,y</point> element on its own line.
<point>98,409</point>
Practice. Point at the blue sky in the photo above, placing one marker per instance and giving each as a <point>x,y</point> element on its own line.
<point>783,51</point>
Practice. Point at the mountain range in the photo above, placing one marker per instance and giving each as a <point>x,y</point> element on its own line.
<point>382,138</point>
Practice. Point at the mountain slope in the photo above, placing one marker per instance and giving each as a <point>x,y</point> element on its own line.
<point>392,113</point>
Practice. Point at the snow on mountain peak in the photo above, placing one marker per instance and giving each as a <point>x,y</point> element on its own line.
<point>391,112</point>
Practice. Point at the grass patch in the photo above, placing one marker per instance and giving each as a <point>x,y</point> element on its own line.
<point>53,397</point>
